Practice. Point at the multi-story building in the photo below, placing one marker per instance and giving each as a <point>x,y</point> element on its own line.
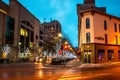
<point>88,4</point>
<point>51,30</point>
<point>41,36</point>
<point>18,28</point>
<point>99,36</point>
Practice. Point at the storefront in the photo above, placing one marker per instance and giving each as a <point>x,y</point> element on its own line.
<point>100,53</point>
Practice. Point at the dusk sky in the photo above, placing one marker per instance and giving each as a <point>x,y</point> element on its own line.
<point>65,12</point>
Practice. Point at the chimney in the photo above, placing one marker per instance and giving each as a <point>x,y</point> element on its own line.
<point>89,1</point>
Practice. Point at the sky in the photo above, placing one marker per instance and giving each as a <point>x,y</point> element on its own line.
<point>65,12</point>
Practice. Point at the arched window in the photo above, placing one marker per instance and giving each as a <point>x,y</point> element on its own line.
<point>87,23</point>
<point>87,37</point>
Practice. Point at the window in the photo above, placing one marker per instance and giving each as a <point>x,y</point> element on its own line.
<point>36,36</point>
<point>115,27</point>
<point>119,54</point>
<point>41,37</point>
<point>41,32</point>
<point>101,54</point>
<point>88,37</point>
<point>116,39</point>
<point>110,54</point>
<point>105,25</point>
<point>27,23</point>
<point>32,36</point>
<point>106,38</point>
<point>87,23</point>
<point>10,30</point>
<point>119,28</point>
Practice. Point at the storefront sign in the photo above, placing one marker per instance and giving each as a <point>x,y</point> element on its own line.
<point>99,38</point>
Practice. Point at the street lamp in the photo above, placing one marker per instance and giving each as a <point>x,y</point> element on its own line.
<point>59,35</point>
<point>19,49</point>
<point>59,42</point>
<point>66,42</point>
<point>65,47</point>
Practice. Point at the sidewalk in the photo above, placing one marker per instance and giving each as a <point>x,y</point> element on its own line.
<point>99,64</point>
<point>77,63</point>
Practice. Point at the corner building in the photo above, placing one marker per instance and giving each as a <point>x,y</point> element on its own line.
<point>99,36</point>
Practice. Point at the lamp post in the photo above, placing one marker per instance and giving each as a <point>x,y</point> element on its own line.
<point>19,49</point>
<point>59,35</point>
<point>65,47</point>
<point>59,43</point>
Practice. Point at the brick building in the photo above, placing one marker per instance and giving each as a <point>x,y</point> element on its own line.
<point>18,25</point>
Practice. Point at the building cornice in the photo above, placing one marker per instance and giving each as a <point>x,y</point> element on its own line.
<point>96,11</point>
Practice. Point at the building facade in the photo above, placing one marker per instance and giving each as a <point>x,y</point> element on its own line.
<point>99,36</point>
<point>19,28</point>
<point>51,30</point>
<point>88,4</point>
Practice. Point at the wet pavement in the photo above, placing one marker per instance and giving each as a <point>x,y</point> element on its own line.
<point>36,71</point>
<point>31,71</point>
<point>93,72</point>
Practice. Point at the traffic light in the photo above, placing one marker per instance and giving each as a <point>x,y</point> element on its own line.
<point>65,47</point>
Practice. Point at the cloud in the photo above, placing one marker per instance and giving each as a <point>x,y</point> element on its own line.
<point>61,8</point>
<point>64,11</point>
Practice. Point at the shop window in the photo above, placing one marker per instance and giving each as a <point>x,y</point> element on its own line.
<point>101,54</point>
<point>110,54</point>
<point>119,54</point>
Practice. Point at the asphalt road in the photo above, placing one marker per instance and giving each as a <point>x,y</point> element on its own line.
<point>99,72</point>
<point>36,71</point>
<point>31,71</point>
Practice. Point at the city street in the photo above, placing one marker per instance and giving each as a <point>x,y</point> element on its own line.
<point>36,71</point>
<point>93,72</point>
<point>30,71</point>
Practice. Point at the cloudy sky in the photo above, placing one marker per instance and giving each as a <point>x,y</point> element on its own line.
<point>65,12</point>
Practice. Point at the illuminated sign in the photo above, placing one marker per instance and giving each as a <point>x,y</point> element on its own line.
<point>23,32</point>
<point>31,44</point>
<point>1,10</point>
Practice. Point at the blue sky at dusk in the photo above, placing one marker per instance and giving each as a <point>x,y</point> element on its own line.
<point>65,12</point>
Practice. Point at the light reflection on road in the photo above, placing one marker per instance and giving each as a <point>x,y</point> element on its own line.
<point>36,71</point>
<point>92,74</point>
<point>30,71</point>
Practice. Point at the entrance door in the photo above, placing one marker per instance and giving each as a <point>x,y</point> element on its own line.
<point>87,56</point>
